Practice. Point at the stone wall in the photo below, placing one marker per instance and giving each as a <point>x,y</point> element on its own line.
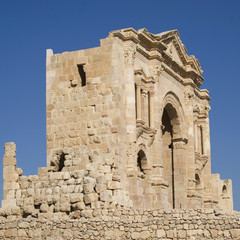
<point>98,186</point>
<point>124,223</point>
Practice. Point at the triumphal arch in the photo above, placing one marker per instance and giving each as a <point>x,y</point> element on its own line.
<point>127,124</point>
<point>137,97</point>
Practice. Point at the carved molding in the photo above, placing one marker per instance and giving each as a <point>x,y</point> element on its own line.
<point>156,71</point>
<point>143,129</point>
<point>129,56</point>
<point>201,160</point>
<point>188,97</point>
<point>179,143</point>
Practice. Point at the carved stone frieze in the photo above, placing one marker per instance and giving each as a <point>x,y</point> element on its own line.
<point>129,56</point>
<point>188,97</point>
<point>148,132</point>
<point>156,71</point>
<point>200,160</point>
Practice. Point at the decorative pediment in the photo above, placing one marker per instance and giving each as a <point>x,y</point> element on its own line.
<point>167,48</point>
<point>178,51</point>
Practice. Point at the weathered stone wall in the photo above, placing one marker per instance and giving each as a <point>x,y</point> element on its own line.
<point>127,129</point>
<point>98,186</point>
<point>124,223</point>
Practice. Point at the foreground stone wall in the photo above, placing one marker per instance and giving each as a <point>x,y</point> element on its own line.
<point>124,223</point>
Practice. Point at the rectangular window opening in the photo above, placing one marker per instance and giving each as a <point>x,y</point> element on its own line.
<point>82,74</point>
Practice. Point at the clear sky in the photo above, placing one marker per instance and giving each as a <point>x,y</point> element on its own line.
<point>210,30</point>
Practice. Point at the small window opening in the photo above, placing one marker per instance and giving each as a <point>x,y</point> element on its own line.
<point>141,161</point>
<point>224,191</point>
<point>197,181</point>
<point>61,162</point>
<point>82,74</point>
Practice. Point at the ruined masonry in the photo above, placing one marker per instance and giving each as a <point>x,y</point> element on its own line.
<point>128,149</point>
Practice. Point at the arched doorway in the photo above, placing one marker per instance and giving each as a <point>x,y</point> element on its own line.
<point>168,162</point>
<point>141,162</point>
<point>174,151</point>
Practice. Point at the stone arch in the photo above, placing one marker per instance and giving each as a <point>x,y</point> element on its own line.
<point>173,106</point>
<point>173,149</point>
<point>198,182</point>
<point>224,191</point>
<point>141,161</point>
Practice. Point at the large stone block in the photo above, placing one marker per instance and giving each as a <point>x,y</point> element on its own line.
<point>91,197</point>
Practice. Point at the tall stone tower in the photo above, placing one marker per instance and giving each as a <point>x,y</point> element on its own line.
<point>132,110</point>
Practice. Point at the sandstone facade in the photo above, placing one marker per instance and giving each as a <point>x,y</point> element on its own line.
<point>127,128</point>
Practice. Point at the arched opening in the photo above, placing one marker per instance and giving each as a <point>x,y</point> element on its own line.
<point>141,161</point>
<point>61,162</point>
<point>224,192</point>
<point>168,161</point>
<point>197,181</point>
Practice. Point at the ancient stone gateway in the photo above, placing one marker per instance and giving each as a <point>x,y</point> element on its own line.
<point>127,135</point>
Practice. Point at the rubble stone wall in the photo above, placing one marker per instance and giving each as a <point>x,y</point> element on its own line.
<point>124,223</point>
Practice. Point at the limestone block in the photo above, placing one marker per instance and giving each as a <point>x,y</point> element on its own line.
<point>89,180</point>
<point>8,171</point>
<point>42,171</point>
<point>114,185</point>
<point>10,149</point>
<point>22,233</point>
<point>28,201</point>
<point>100,187</point>
<point>44,208</point>
<point>29,209</point>
<point>18,194</point>
<point>80,205</point>
<point>161,233</point>
<point>10,194</point>
<point>101,180</point>
<point>9,161</point>
<point>145,234</point>
<point>91,197</point>
<point>88,188</point>
<point>76,197</point>
<point>118,233</point>
<point>135,235</point>
<point>30,191</point>
<point>108,176</point>
<point>65,198</point>
<point>235,233</point>
<point>19,171</point>
<point>55,176</point>
<point>78,189</point>
<point>87,213</point>
<point>107,169</point>
<point>106,196</point>
<point>65,207</point>
<point>78,174</point>
<point>66,175</point>
<point>14,185</point>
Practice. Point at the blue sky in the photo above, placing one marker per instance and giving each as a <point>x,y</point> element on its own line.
<point>210,30</point>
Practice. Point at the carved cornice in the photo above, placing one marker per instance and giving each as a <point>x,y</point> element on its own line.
<point>202,94</point>
<point>144,81</point>
<point>154,47</point>
<point>179,143</point>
